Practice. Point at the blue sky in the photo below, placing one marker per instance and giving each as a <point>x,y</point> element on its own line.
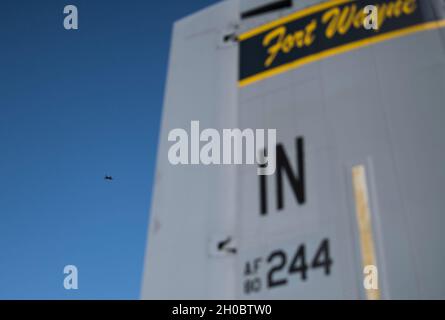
<point>75,106</point>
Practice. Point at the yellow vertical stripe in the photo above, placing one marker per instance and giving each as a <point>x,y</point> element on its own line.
<point>363,215</point>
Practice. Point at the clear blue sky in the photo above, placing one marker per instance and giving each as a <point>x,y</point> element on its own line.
<point>75,106</point>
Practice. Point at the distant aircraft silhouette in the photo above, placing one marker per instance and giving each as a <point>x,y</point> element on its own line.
<point>109,178</point>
